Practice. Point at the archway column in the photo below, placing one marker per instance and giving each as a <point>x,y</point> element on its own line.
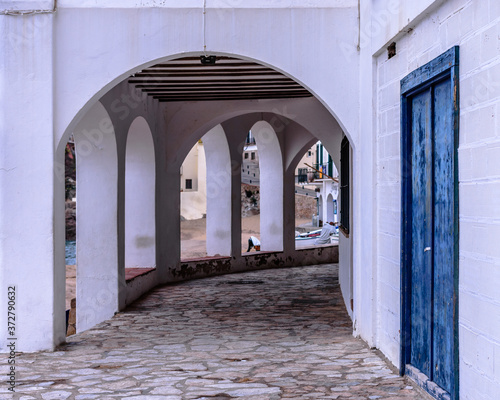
<point>218,183</point>
<point>271,186</point>
<point>97,273</point>
<point>140,239</point>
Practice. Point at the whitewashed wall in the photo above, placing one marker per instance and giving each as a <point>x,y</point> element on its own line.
<point>475,27</point>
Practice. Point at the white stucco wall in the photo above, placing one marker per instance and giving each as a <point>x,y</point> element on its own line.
<point>140,211</point>
<point>97,271</point>
<point>474,26</point>
<point>151,34</point>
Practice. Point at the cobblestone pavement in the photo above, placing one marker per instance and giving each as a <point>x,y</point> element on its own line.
<point>276,334</point>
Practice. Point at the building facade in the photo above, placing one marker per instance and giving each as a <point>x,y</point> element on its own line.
<point>371,79</point>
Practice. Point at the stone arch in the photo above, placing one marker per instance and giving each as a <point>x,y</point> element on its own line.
<point>299,111</point>
<point>271,186</point>
<point>140,238</point>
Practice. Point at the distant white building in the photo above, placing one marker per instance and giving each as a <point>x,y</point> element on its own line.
<point>194,183</point>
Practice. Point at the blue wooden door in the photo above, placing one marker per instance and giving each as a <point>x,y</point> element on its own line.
<point>421,271</point>
<point>430,234</point>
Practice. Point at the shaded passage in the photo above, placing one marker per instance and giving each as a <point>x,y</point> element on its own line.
<point>275,334</point>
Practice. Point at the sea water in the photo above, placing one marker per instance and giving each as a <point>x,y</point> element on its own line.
<point>70,252</point>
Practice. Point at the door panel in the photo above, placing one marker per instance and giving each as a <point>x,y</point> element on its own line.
<point>421,273</point>
<point>429,226</point>
<point>443,328</point>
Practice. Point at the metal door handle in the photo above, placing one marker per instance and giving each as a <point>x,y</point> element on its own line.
<point>427,249</point>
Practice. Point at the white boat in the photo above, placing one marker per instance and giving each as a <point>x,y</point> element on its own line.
<point>308,239</point>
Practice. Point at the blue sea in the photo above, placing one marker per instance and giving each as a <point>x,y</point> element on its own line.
<point>70,252</point>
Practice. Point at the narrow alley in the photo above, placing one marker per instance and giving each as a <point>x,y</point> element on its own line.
<point>273,334</point>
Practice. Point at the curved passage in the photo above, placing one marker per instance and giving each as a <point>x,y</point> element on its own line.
<point>271,334</point>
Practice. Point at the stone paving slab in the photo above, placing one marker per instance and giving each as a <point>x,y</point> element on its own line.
<point>264,335</point>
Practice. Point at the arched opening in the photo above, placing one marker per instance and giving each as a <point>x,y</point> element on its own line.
<point>270,186</point>
<point>174,131</point>
<point>250,196</point>
<point>206,198</point>
<point>315,196</point>
<point>140,236</point>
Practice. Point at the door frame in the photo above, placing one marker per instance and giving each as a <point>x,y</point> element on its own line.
<point>441,68</point>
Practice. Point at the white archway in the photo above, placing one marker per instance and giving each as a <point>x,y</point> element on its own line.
<point>97,275</point>
<point>167,257</point>
<point>140,237</point>
<point>271,186</point>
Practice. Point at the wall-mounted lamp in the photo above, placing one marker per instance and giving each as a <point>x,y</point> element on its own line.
<point>208,60</point>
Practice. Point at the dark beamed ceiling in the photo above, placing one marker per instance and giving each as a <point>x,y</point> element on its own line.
<point>187,79</point>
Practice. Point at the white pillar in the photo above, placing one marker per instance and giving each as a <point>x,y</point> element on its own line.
<point>218,183</point>
<point>97,277</point>
<point>271,186</point>
<point>140,241</point>
<point>30,257</point>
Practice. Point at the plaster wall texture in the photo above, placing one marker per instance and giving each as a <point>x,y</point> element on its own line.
<point>140,240</point>
<point>475,27</point>
<point>139,285</point>
<point>97,274</point>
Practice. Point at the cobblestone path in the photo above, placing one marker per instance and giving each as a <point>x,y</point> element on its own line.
<point>276,334</point>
